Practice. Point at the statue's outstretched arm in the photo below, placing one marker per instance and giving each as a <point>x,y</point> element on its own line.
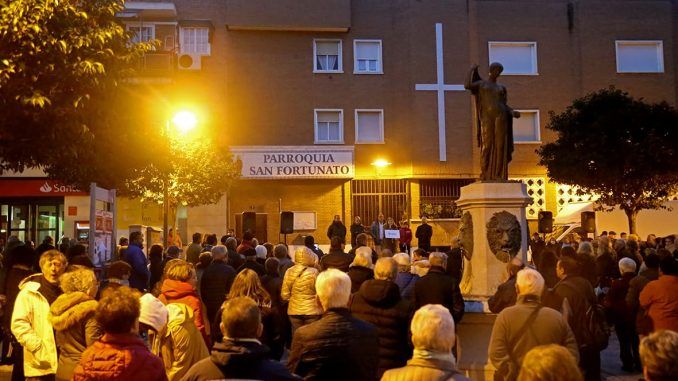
<point>473,79</point>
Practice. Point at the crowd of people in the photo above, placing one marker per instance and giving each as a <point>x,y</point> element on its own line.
<point>236,308</point>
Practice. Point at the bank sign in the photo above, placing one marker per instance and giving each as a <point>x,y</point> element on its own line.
<point>295,162</point>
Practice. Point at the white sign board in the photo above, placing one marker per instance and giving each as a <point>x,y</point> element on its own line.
<point>392,234</point>
<point>305,221</point>
<point>295,162</point>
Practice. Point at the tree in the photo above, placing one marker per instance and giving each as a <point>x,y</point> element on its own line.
<point>68,108</point>
<point>61,64</point>
<point>195,173</point>
<point>617,147</point>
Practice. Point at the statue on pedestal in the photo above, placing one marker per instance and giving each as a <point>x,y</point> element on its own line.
<point>495,123</point>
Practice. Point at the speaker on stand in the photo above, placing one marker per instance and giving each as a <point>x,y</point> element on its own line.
<point>286,223</point>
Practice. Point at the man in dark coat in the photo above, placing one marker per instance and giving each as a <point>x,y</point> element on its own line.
<point>251,262</point>
<point>216,281</point>
<point>438,287</point>
<point>580,297</point>
<point>235,260</point>
<point>623,317</point>
<point>636,285</point>
<point>338,346</point>
<point>136,258</point>
<point>378,302</point>
<point>424,233</point>
<point>336,258</point>
<point>240,355</point>
<point>47,244</point>
<point>337,228</point>
<point>455,260</point>
<point>356,228</point>
<point>194,249</point>
<point>506,294</point>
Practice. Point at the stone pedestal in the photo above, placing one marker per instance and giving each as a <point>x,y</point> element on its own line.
<point>499,231</point>
<point>493,229</point>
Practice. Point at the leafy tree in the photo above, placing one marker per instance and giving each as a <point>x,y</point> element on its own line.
<point>620,148</point>
<point>68,108</point>
<point>61,63</point>
<point>195,174</point>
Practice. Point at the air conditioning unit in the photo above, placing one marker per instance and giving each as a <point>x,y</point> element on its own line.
<point>189,61</point>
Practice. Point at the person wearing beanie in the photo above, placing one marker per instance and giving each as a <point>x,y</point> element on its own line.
<point>117,275</point>
<point>172,335</point>
<point>251,262</point>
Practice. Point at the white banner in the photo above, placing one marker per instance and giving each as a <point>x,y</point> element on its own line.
<point>295,162</point>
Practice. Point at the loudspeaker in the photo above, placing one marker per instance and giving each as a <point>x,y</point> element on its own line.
<point>286,222</point>
<point>545,222</point>
<point>249,222</point>
<point>588,221</point>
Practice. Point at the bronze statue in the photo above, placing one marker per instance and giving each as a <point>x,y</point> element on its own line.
<point>495,123</point>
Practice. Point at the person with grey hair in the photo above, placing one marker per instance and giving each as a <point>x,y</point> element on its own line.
<point>623,317</point>
<point>338,346</point>
<point>29,324</point>
<point>659,354</point>
<point>235,259</point>
<point>216,281</point>
<point>72,316</point>
<point>587,262</point>
<point>405,278</point>
<point>361,269</point>
<point>433,338</point>
<point>526,325</point>
<point>379,302</point>
<point>284,261</point>
<point>438,287</point>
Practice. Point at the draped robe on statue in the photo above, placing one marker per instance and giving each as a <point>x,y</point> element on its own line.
<point>495,127</point>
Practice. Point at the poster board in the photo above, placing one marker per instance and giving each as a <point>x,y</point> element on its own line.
<point>389,233</point>
<point>102,236</point>
<point>305,221</point>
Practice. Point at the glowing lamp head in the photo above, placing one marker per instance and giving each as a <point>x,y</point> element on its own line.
<point>185,121</point>
<point>381,163</point>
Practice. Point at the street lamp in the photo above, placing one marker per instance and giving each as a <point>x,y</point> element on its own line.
<point>184,121</point>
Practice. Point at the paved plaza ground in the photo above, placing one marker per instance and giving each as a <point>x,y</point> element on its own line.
<point>610,360</point>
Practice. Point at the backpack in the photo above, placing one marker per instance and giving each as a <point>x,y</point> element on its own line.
<point>596,325</point>
<point>594,322</point>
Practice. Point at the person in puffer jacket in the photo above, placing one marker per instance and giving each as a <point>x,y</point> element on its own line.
<point>179,286</point>
<point>299,289</point>
<point>172,335</point>
<point>120,354</point>
<point>378,302</point>
<point>72,316</point>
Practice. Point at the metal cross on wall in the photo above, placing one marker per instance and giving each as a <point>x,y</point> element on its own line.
<point>440,87</point>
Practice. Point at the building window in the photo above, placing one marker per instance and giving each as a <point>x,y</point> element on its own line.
<point>329,126</point>
<point>367,57</point>
<point>437,198</point>
<point>518,58</point>
<point>369,126</point>
<point>327,57</point>
<point>640,56</point>
<point>195,40</point>
<point>142,33</point>
<point>526,128</point>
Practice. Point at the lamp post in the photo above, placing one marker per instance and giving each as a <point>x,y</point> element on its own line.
<point>184,121</point>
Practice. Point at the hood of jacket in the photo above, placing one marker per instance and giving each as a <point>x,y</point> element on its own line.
<point>380,293</point>
<point>235,354</point>
<point>178,314</point>
<point>304,257</point>
<point>175,289</point>
<point>31,282</point>
<point>70,309</point>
